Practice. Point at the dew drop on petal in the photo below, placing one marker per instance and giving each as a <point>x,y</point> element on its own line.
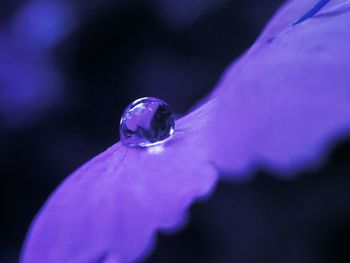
<point>146,122</point>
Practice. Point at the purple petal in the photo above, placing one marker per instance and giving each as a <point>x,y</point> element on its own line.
<point>314,10</point>
<point>288,98</point>
<point>109,210</point>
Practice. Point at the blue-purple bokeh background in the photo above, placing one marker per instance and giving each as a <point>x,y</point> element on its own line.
<point>67,70</point>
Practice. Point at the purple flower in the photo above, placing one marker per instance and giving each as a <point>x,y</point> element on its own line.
<point>281,105</point>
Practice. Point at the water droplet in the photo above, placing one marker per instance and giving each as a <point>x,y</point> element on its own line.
<point>146,122</point>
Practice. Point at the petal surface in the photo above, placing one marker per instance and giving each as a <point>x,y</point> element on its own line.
<point>111,207</point>
<point>288,99</point>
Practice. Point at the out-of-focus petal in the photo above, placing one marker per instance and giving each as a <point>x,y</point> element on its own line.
<point>42,24</point>
<point>30,86</point>
<point>288,98</point>
<point>114,204</point>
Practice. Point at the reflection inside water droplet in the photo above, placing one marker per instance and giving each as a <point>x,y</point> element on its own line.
<point>146,122</point>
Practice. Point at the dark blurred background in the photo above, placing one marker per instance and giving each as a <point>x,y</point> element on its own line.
<point>68,69</point>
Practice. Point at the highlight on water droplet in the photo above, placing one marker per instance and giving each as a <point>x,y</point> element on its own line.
<point>146,122</point>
